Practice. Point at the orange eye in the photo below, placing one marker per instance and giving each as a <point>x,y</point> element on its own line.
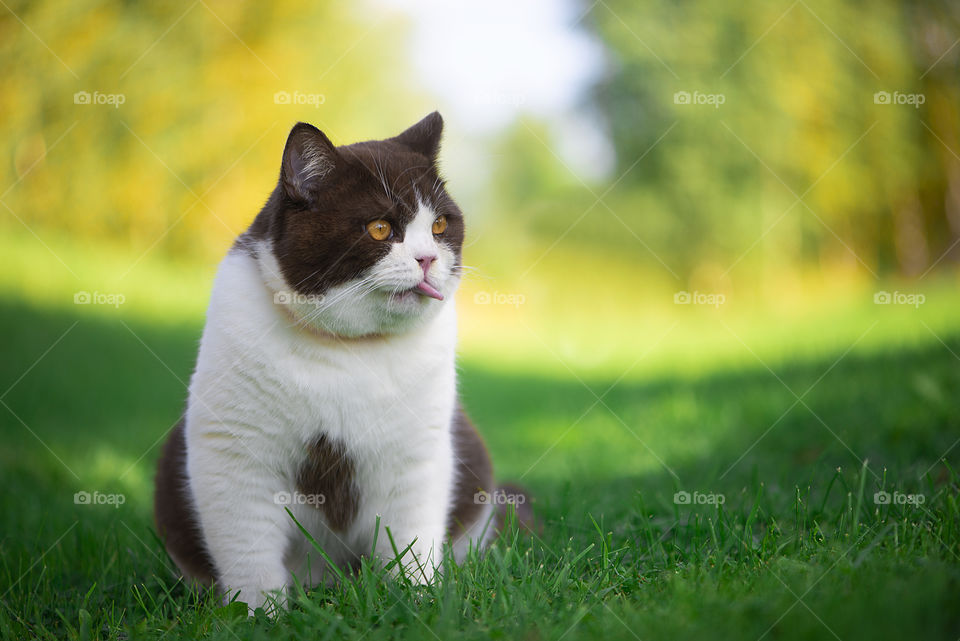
<point>380,229</point>
<point>440,225</point>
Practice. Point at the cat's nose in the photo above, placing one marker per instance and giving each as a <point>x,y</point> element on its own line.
<point>425,262</point>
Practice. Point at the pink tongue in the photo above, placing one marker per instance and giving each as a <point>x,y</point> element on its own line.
<point>427,289</point>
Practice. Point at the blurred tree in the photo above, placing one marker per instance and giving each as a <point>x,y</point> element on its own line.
<point>777,103</point>
<point>155,123</point>
<point>208,90</point>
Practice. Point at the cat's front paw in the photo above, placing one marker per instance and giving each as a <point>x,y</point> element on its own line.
<point>272,601</point>
<point>419,567</point>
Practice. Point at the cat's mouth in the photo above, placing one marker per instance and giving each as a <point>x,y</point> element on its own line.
<point>423,288</point>
<point>426,289</point>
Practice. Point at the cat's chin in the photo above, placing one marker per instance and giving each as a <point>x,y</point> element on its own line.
<point>407,299</point>
<point>404,310</point>
<point>377,314</point>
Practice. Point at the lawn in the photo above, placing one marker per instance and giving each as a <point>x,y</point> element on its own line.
<point>788,456</point>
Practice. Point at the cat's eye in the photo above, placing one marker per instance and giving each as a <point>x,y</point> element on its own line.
<point>440,225</point>
<point>380,229</point>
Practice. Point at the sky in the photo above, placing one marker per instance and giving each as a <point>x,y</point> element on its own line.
<point>490,62</point>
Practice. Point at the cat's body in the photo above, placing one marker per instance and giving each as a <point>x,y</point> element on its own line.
<point>326,381</point>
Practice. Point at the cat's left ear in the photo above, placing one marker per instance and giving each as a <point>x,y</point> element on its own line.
<point>308,158</point>
<point>424,137</point>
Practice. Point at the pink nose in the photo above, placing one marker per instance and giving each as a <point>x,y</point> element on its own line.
<point>425,262</point>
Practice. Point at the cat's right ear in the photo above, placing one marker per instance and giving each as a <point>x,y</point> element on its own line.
<point>308,158</point>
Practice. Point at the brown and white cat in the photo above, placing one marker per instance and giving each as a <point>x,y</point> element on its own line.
<point>326,382</point>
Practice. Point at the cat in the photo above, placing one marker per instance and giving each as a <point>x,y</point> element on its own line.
<point>325,382</point>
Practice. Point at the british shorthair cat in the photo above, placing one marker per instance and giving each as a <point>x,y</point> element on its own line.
<point>326,382</point>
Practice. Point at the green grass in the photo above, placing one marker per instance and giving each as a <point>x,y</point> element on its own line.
<point>799,548</point>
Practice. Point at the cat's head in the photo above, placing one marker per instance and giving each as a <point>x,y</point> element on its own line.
<point>361,239</point>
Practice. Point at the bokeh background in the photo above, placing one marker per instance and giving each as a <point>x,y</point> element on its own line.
<point>594,193</point>
<point>779,167</point>
<point>714,246</point>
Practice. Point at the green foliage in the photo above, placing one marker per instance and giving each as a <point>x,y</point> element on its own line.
<point>191,153</point>
<point>797,118</point>
<point>184,162</point>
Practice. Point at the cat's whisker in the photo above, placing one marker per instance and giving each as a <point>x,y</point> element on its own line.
<point>328,303</point>
<point>383,180</point>
<point>464,269</point>
<point>349,291</point>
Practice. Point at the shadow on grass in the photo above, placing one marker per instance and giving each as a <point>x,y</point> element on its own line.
<point>109,388</point>
<point>88,414</point>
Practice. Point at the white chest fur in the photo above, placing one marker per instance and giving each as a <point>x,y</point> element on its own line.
<point>264,388</point>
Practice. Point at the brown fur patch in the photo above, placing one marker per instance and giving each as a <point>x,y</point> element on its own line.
<point>328,471</point>
<point>176,519</point>
<point>473,473</point>
<point>523,509</point>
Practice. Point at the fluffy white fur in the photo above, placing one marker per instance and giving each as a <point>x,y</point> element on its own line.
<point>369,368</point>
